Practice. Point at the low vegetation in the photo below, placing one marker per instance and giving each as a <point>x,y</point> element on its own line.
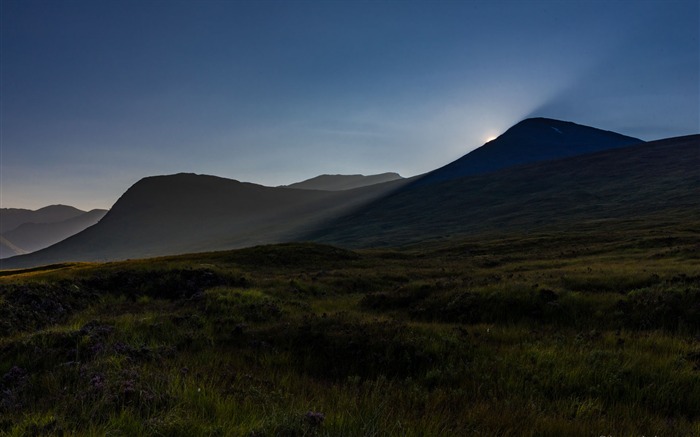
<point>578,333</point>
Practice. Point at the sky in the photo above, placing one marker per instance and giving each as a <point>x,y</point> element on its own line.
<point>96,95</point>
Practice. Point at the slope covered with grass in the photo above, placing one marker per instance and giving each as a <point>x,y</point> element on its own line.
<point>588,333</point>
<point>657,181</point>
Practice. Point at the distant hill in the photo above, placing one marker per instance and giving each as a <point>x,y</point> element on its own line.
<point>660,178</point>
<point>10,218</point>
<point>183,213</point>
<point>531,140</point>
<point>344,182</point>
<point>30,237</point>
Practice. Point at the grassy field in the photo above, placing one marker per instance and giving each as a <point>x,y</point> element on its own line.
<point>589,332</point>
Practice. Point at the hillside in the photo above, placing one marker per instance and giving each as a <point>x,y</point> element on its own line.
<point>343,182</point>
<point>531,140</point>
<point>183,213</point>
<point>554,334</point>
<point>660,178</point>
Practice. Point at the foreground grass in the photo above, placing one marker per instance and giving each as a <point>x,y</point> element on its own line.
<point>585,333</point>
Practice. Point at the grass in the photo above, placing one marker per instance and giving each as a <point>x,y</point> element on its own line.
<point>590,333</point>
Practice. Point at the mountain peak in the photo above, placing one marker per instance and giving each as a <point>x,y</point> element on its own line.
<point>529,141</point>
<point>59,207</point>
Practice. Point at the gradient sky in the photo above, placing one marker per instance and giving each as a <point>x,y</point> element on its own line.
<point>98,94</point>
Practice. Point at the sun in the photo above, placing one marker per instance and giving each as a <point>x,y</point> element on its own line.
<point>491,138</point>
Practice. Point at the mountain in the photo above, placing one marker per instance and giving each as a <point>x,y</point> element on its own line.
<point>181,213</point>
<point>531,140</point>
<point>25,230</point>
<point>30,237</point>
<point>657,179</point>
<point>344,182</point>
<point>10,218</point>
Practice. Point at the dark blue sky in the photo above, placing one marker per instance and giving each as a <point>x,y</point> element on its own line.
<point>97,94</point>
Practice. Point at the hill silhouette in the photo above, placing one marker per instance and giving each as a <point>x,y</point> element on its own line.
<point>181,213</point>
<point>344,182</point>
<point>531,140</point>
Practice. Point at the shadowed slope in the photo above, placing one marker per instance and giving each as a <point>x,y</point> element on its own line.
<point>660,178</point>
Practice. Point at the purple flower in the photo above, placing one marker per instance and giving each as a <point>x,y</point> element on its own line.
<point>314,418</point>
<point>97,348</point>
<point>98,381</point>
<point>128,387</point>
<point>15,375</point>
<point>122,348</point>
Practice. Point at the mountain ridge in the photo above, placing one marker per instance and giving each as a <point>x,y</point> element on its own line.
<point>10,218</point>
<point>30,237</point>
<point>339,182</point>
<point>186,213</point>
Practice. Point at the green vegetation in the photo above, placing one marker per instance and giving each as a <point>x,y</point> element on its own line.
<point>577,333</point>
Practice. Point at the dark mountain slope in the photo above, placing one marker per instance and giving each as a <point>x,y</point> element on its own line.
<point>344,182</point>
<point>182,213</point>
<point>531,140</point>
<point>10,218</point>
<point>660,178</point>
<point>35,236</point>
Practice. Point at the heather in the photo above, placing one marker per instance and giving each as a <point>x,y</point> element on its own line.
<point>588,332</point>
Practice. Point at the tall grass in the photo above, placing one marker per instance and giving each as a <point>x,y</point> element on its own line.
<point>534,336</point>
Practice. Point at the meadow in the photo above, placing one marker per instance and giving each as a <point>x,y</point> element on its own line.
<point>594,331</point>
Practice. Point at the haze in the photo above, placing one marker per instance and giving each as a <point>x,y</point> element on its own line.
<point>97,95</point>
